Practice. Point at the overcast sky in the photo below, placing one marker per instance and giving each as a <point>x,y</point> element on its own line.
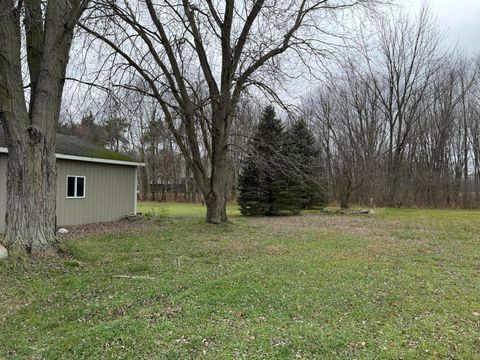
<point>461,18</point>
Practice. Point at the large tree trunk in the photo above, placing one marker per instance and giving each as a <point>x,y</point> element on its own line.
<point>216,198</point>
<point>216,208</point>
<point>31,170</point>
<point>31,192</point>
<point>30,221</point>
<point>30,132</point>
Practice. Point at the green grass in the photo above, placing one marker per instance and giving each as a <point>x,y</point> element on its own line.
<point>402,284</point>
<point>168,209</point>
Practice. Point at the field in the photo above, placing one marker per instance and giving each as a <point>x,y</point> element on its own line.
<point>399,284</point>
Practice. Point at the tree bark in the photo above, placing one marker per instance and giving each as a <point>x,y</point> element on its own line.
<point>31,195</point>
<point>216,208</point>
<point>30,131</point>
<point>216,198</point>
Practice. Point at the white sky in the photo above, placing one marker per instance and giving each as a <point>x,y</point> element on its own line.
<point>460,18</point>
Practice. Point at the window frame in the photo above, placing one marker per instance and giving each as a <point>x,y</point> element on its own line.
<point>75,187</point>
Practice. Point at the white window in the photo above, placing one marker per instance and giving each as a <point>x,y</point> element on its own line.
<point>76,187</point>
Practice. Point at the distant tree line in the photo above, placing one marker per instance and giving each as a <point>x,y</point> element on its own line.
<point>396,122</point>
<point>399,123</point>
<point>110,132</point>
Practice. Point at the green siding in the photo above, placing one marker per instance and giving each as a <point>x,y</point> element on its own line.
<point>109,192</point>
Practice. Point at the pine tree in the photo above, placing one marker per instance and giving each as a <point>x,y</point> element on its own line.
<point>253,199</point>
<point>279,174</point>
<point>258,183</point>
<point>304,191</point>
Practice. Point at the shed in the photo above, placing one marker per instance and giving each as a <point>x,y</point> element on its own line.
<point>93,184</point>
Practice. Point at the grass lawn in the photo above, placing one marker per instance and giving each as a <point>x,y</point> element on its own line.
<point>165,209</point>
<point>400,284</point>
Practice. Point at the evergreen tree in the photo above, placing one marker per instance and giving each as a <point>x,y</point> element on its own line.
<point>90,130</point>
<point>87,129</point>
<point>115,133</point>
<point>304,190</point>
<point>279,174</point>
<point>253,198</point>
<point>258,182</point>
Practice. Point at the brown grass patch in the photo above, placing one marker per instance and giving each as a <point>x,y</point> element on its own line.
<point>277,250</point>
<point>346,224</point>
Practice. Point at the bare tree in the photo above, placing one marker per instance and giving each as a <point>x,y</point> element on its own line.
<point>400,71</point>
<point>399,125</point>
<point>182,46</point>
<point>29,114</point>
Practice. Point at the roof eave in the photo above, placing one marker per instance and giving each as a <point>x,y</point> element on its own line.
<point>4,150</point>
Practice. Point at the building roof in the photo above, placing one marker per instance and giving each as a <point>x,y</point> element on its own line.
<point>73,148</point>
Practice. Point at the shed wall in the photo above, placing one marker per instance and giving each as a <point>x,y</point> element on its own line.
<point>110,192</point>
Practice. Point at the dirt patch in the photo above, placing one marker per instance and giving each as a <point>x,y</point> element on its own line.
<point>110,227</point>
